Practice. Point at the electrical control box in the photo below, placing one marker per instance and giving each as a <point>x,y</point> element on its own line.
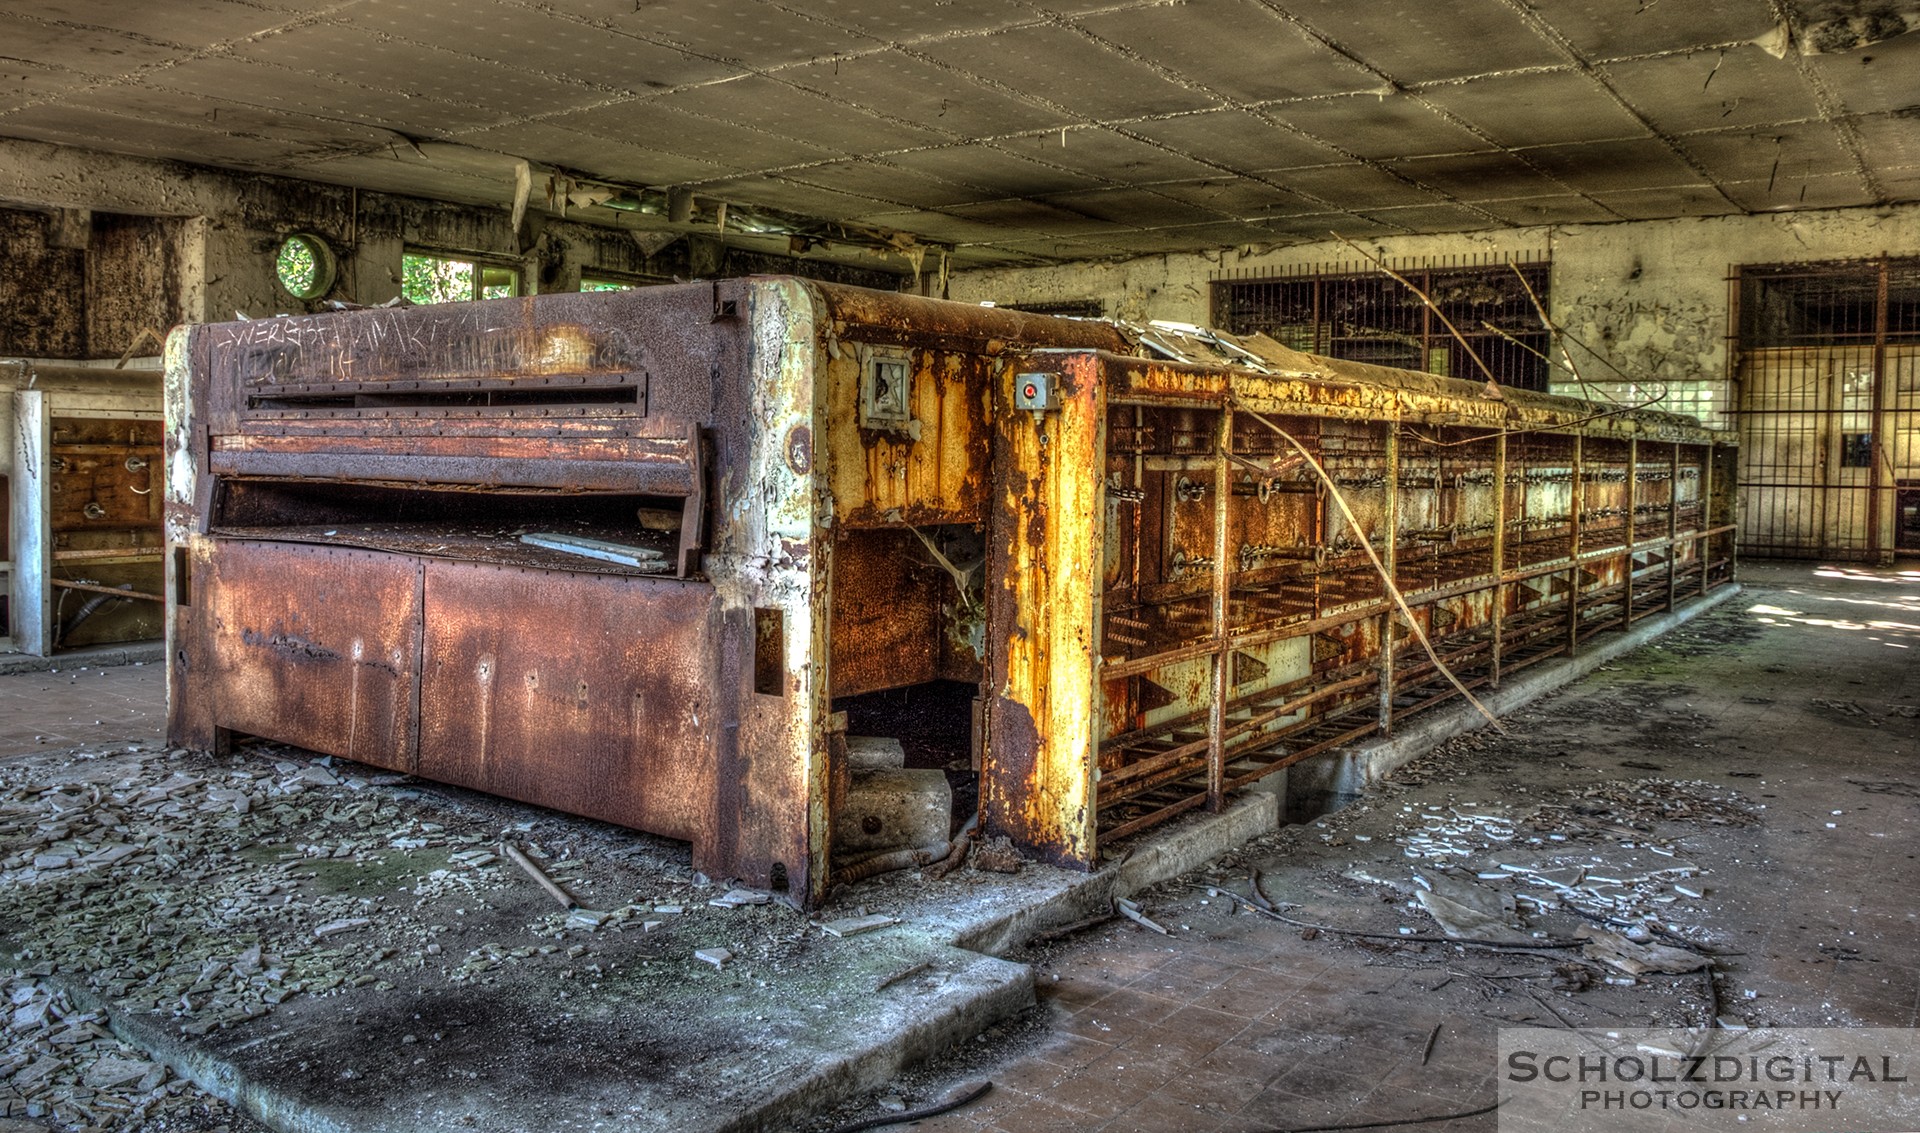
<point>1037,393</point>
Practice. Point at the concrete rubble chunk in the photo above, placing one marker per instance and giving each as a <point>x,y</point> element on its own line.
<point>854,926</point>
<point>874,753</point>
<point>334,928</point>
<point>112,1072</point>
<point>718,957</point>
<point>735,898</point>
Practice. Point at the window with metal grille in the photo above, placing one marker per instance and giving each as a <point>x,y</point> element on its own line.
<point>1360,313</point>
<point>1827,381</point>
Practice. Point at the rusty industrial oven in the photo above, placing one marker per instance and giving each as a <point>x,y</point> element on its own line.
<point>636,555</point>
<point>1188,560</point>
<point>648,556</point>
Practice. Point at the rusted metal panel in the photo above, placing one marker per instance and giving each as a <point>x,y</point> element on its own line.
<point>1043,572</point>
<point>543,686</point>
<point>313,646</point>
<point>886,616</point>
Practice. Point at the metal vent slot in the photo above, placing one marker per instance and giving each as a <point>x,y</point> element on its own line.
<point>452,399</point>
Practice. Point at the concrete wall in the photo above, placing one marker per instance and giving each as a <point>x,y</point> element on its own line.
<point>1650,297</point>
<point>224,229</point>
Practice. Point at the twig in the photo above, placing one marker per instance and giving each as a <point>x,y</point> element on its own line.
<point>1433,1036</point>
<point>1429,304</point>
<point>903,974</point>
<point>1259,898</point>
<point>1532,947</point>
<point>920,1114</point>
<point>1555,1011</point>
<point>1386,576</point>
<point>1429,1120</point>
<point>1132,912</point>
<point>1713,997</point>
<point>519,857</point>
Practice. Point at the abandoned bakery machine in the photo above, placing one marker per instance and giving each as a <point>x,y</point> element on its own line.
<point>667,557</point>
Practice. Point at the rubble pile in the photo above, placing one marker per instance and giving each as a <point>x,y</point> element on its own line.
<point>204,892</point>
<point>63,1067</point>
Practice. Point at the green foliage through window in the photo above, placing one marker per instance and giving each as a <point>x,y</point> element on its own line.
<point>440,279</point>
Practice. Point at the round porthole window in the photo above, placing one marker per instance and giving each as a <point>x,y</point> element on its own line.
<point>305,266</point>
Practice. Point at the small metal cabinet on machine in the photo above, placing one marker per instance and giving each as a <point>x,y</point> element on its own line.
<point>81,483</point>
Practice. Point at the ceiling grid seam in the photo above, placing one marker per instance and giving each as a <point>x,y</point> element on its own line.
<point>1599,75</point>
<point>1824,101</point>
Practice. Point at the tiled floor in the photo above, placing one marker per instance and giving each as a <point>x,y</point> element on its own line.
<point>82,705</point>
<point>1802,694</point>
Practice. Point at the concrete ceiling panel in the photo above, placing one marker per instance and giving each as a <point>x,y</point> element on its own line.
<point>1714,90</point>
<point>812,108</point>
<point>1370,126</point>
<point>94,129</point>
<point>921,92</point>
<point>269,130</point>
<point>1108,155</point>
<point>22,82</point>
<point>883,181</point>
<point>1352,187</point>
<point>654,125</point>
<point>605,157</point>
<point>1758,155</point>
<point>1425,218</point>
<point>321,96</point>
<point>1598,167</point>
<point>1525,212</point>
<point>1606,29</point>
<point>1891,140</point>
<point>790,195</point>
<point>187,23</point>
<point>772,105</point>
<point>1238,197</point>
<point>1032,216</point>
<point>896,21</point>
<point>1655,204</point>
<point>1311,227</point>
<point>1215,235</point>
<point>760,35</point>
<point>998,171</point>
<point>1883,76</point>
<point>1236,139</point>
<point>1065,69</point>
<point>937,225</point>
<point>394,70</point>
<point>531,40</point>
<point>1237,48</point>
<point>1136,208</point>
<point>99,53</point>
<point>1537,108</point>
<point>1492,175</point>
<point>1799,191</point>
<point>1420,42</point>
<point>1902,184</point>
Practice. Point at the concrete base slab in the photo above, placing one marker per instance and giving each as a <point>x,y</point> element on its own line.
<point>93,656</point>
<point>713,1051</point>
